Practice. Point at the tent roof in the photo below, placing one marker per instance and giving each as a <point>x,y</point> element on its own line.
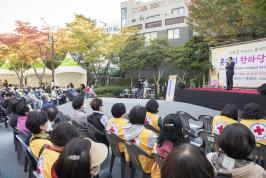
<point>38,70</point>
<point>69,61</point>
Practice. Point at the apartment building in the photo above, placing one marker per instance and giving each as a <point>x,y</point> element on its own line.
<point>158,18</point>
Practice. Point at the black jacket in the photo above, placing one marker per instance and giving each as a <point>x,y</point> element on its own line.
<point>230,68</point>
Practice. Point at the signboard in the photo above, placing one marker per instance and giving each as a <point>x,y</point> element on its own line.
<point>250,63</point>
<point>171,88</point>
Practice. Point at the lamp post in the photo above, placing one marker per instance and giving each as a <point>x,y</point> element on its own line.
<point>52,41</point>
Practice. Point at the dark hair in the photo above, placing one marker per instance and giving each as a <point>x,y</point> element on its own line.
<point>51,111</point>
<point>187,161</point>
<point>35,120</point>
<point>78,101</point>
<point>68,168</point>
<point>118,110</point>
<point>137,115</point>
<point>152,106</point>
<point>253,111</point>
<point>172,130</point>
<point>22,109</point>
<point>12,105</point>
<point>82,86</point>
<point>96,103</point>
<point>237,141</point>
<point>9,94</point>
<point>230,110</point>
<point>63,133</point>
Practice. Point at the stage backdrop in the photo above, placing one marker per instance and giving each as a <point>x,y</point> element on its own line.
<point>250,60</point>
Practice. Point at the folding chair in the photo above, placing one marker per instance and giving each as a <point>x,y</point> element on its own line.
<point>185,117</point>
<point>80,127</point>
<point>210,141</point>
<point>93,132</point>
<point>23,148</point>
<point>114,142</point>
<point>134,153</point>
<point>32,164</point>
<point>158,159</point>
<point>220,175</point>
<point>207,122</point>
<point>3,116</point>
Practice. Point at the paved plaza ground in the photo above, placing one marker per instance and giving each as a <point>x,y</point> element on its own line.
<point>9,167</point>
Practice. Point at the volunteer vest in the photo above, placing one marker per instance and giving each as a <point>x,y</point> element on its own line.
<point>115,125</point>
<point>146,141</point>
<point>46,163</point>
<point>153,120</point>
<point>220,122</point>
<point>37,143</point>
<point>257,127</point>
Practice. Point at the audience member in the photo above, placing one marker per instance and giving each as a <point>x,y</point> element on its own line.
<point>187,161</point>
<point>79,113</point>
<point>116,124</point>
<point>11,111</point>
<point>37,123</point>
<point>254,118</point>
<point>229,115</point>
<point>98,119</point>
<point>59,137</point>
<point>236,143</point>
<point>81,158</point>
<point>170,137</point>
<point>152,118</point>
<point>22,111</point>
<point>136,133</point>
<point>53,120</point>
<point>46,101</point>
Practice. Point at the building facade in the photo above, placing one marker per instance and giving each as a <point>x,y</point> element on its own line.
<point>158,18</point>
<point>112,27</point>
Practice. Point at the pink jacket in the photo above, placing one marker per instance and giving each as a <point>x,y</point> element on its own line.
<point>21,125</point>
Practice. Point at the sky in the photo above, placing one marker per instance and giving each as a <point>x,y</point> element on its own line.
<point>55,12</point>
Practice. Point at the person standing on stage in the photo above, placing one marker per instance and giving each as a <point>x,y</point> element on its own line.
<point>230,65</point>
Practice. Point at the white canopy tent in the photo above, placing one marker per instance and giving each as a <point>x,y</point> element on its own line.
<point>7,74</point>
<point>31,77</point>
<point>69,71</point>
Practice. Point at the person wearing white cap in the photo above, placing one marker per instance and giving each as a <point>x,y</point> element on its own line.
<point>81,158</point>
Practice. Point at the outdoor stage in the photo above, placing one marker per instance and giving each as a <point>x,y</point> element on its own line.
<point>218,98</point>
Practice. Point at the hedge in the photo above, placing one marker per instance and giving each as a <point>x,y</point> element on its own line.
<point>109,91</point>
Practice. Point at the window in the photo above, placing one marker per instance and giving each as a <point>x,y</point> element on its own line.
<point>153,24</point>
<point>133,20</point>
<point>178,11</point>
<point>149,37</point>
<point>153,16</point>
<point>123,16</point>
<point>176,20</point>
<point>173,33</point>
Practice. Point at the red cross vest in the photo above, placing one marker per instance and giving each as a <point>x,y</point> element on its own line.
<point>257,127</point>
<point>220,122</point>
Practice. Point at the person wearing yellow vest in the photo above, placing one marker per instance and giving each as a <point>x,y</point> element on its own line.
<point>116,124</point>
<point>60,136</point>
<point>254,118</point>
<point>152,117</point>
<point>37,123</point>
<point>136,133</point>
<point>229,115</point>
<point>171,136</point>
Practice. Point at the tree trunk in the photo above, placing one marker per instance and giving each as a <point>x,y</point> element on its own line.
<point>158,87</point>
<point>131,79</point>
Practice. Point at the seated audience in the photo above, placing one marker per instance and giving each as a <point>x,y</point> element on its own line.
<point>81,158</point>
<point>59,137</point>
<point>170,137</point>
<point>37,123</point>
<point>7,98</point>
<point>136,133</point>
<point>22,110</point>
<point>46,101</point>
<point>236,143</point>
<point>79,113</point>
<point>152,118</point>
<point>116,124</point>
<point>228,116</point>
<point>187,161</point>
<point>53,120</point>
<point>11,110</point>
<point>98,119</point>
<point>254,118</point>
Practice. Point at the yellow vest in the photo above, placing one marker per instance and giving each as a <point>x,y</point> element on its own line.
<point>220,122</point>
<point>155,170</point>
<point>257,127</point>
<point>146,141</point>
<point>153,120</point>
<point>115,125</point>
<point>37,144</point>
<point>46,162</point>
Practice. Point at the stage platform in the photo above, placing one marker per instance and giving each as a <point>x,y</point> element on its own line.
<point>218,98</point>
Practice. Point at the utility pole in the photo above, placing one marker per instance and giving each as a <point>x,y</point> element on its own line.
<point>52,41</point>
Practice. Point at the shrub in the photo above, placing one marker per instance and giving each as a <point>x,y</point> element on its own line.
<point>109,91</point>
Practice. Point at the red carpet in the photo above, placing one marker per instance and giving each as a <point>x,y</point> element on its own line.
<point>242,91</point>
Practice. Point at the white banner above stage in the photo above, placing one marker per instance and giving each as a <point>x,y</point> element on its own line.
<point>171,88</point>
<point>250,63</point>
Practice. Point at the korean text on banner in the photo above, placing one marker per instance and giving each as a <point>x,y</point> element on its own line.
<point>171,88</point>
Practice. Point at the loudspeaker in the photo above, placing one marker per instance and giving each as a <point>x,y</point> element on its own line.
<point>262,89</point>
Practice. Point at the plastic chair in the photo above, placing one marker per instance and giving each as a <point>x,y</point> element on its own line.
<point>258,155</point>
<point>32,164</point>
<point>3,116</point>
<point>23,148</point>
<point>63,117</point>
<point>114,142</point>
<point>93,132</point>
<point>134,153</point>
<point>80,127</point>
<point>207,122</point>
<point>150,127</point>
<point>210,141</point>
<point>220,175</point>
<point>158,159</point>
